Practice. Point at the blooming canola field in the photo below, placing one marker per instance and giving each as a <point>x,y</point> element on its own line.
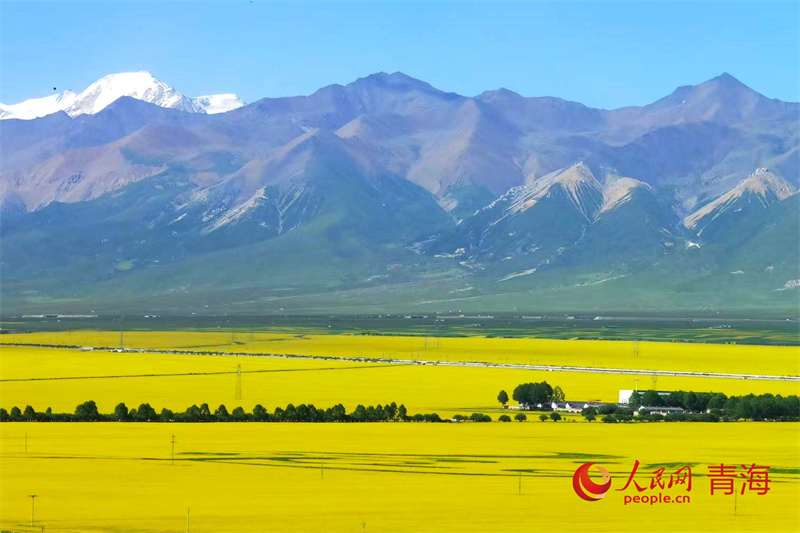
<point>61,379</point>
<point>373,477</point>
<point>687,357</point>
<point>384,477</point>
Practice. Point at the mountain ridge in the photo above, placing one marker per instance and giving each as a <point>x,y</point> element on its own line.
<point>140,85</point>
<point>388,188</point>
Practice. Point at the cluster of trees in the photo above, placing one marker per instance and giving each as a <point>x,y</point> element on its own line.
<point>691,401</point>
<point>754,407</point>
<point>700,407</point>
<point>532,394</point>
<point>474,417</point>
<point>87,412</point>
<point>609,413</point>
<point>519,417</point>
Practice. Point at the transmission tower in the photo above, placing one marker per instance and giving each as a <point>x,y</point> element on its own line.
<point>655,381</point>
<point>636,348</point>
<point>238,382</point>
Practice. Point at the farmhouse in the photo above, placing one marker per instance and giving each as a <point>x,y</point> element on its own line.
<point>530,407</point>
<point>572,407</point>
<point>661,410</point>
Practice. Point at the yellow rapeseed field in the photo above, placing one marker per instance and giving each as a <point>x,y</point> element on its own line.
<point>177,381</point>
<point>395,477</point>
<point>384,477</point>
<point>694,357</point>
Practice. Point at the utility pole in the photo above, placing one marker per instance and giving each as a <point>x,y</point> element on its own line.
<point>33,498</point>
<point>26,442</point>
<point>187,520</point>
<point>322,467</point>
<point>363,527</point>
<point>238,382</point>
<point>173,450</point>
<point>520,482</point>
<point>121,338</point>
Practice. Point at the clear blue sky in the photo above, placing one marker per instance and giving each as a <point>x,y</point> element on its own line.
<point>602,54</point>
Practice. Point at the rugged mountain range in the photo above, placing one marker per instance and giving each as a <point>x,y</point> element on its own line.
<point>388,194</point>
<point>140,85</point>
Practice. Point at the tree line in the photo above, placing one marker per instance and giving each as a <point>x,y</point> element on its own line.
<point>88,412</point>
<point>700,407</point>
<point>751,406</point>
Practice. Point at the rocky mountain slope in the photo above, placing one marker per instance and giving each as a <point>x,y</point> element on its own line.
<point>387,193</point>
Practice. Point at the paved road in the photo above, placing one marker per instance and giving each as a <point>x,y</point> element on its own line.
<point>547,368</point>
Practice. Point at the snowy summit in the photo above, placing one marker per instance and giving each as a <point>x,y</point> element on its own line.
<point>140,85</point>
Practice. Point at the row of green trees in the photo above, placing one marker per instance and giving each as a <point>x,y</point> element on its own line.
<point>755,407</point>
<point>700,407</point>
<point>88,412</point>
<point>519,417</point>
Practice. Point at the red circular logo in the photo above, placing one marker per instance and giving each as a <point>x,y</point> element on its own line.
<point>588,489</point>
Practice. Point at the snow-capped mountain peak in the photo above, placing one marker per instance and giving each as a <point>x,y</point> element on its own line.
<point>218,103</point>
<point>38,107</point>
<point>140,85</point>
